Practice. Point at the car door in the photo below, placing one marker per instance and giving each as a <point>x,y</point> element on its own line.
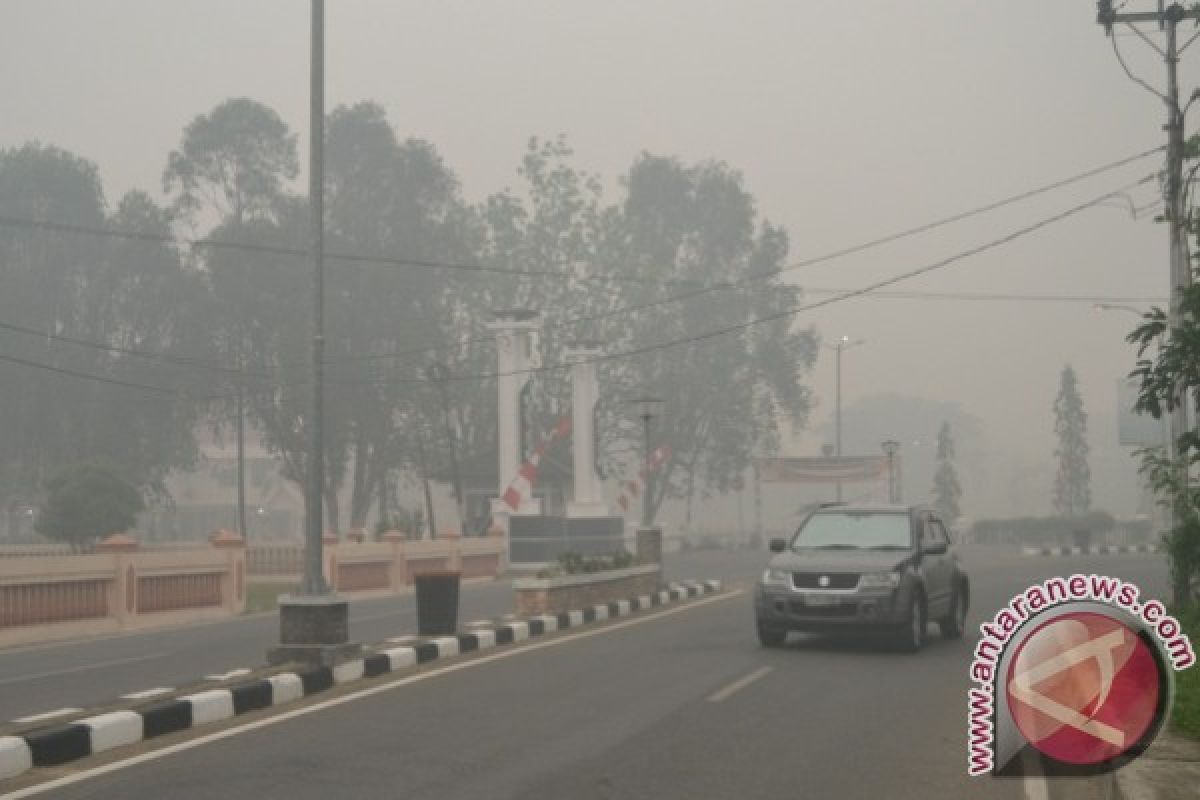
<point>940,568</point>
<point>926,564</point>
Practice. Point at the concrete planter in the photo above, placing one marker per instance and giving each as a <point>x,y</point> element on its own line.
<point>567,592</point>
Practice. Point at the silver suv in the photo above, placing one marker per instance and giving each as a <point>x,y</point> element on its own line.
<point>850,567</point>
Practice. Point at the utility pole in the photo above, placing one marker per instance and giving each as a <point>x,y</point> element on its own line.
<point>314,579</point>
<point>425,482</point>
<point>1168,20</point>
<point>440,375</point>
<point>241,454</point>
<point>314,626</point>
<point>843,344</point>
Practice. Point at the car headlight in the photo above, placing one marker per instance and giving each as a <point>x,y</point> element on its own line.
<point>776,577</point>
<point>879,580</point>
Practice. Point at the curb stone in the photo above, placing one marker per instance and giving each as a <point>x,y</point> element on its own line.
<point>1100,550</point>
<point>1168,770</point>
<point>60,744</point>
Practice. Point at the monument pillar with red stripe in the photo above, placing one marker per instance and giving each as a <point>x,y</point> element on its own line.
<point>517,354</point>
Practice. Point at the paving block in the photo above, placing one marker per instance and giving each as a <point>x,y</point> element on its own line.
<point>285,687</point>
<point>115,729</point>
<point>15,756</point>
<point>210,706</point>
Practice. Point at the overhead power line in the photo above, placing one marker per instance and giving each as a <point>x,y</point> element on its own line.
<point>847,295</point>
<point>154,355</point>
<point>88,376</point>
<point>704,289</point>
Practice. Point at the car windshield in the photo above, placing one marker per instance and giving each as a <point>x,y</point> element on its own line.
<point>855,531</point>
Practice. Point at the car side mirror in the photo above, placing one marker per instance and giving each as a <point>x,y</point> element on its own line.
<point>778,545</point>
<point>934,549</point>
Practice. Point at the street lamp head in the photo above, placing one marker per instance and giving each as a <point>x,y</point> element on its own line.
<point>891,446</point>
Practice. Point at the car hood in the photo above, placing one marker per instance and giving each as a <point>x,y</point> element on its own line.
<point>841,560</point>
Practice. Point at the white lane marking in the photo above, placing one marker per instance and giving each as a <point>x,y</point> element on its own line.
<point>146,694</point>
<point>81,668</point>
<point>59,712</point>
<point>1034,782</point>
<point>228,676</point>
<point>154,755</point>
<point>738,685</point>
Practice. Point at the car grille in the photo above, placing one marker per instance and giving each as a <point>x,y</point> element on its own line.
<point>840,610</point>
<point>837,580</point>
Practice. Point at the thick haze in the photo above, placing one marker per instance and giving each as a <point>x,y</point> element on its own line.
<point>849,121</point>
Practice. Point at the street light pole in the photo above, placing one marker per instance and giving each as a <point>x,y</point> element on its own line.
<point>843,344</point>
<point>648,408</point>
<point>440,375</point>
<point>890,447</point>
<point>646,515</point>
<point>314,579</point>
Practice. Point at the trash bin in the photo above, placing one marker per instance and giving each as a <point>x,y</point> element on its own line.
<point>437,603</point>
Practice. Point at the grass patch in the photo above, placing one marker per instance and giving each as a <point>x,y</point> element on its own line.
<point>1185,715</point>
<point>265,596</point>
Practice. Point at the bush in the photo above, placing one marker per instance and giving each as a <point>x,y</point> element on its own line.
<point>1185,716</point>
<point>578,564</point>
<point>86,503</point>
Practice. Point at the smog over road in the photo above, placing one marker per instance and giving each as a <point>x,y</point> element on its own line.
<point>539,399</point>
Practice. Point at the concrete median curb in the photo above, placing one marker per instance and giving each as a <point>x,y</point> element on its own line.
<point>89,735</point>
<point>1099,550</point>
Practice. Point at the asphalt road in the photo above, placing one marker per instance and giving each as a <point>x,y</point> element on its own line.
<point>42,678</point>
<point>684,705</point>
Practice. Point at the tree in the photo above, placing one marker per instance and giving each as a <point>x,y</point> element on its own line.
<point>1172,373</point>
<point>234,160</point>
<point>86,503</point>
<point>946,488</point>
<point>95,308</point>
<point>1072,484</point>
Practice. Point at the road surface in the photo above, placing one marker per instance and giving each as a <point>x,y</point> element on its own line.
<point>683,704</point>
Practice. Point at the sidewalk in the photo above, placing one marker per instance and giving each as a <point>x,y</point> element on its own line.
<point>1169,770</point>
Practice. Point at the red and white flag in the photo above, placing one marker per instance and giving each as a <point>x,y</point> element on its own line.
<point>632,489</point>
<point>521,487</point>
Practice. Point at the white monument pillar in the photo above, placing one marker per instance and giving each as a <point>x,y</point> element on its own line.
<point>589,496</point>
<point>516,350</point>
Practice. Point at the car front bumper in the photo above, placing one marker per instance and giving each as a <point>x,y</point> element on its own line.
<point>785,608</point>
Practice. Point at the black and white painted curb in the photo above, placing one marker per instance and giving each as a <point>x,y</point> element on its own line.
<point>1099,550</point>
<point>59,744</point>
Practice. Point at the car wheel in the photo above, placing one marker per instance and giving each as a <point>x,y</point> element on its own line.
<point>771,637</point>
<point>955,622</point>
<point>911,634</point>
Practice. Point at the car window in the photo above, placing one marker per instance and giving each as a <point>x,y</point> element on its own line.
<point>855,531</point>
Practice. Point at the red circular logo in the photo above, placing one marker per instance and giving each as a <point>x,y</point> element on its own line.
<point>1084,688</point>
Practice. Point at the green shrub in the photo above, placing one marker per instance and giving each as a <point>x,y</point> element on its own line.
<point>1185,716</point>
<point>87,503</point>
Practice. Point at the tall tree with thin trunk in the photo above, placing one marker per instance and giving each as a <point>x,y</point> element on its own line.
<point>946,489</point>
<point>1072,484</point>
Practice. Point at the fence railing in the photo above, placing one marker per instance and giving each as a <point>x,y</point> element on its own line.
<point>119,587</point>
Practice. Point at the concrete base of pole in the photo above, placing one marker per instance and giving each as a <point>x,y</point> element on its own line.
<point>313,630</point>
<point>649,546</point>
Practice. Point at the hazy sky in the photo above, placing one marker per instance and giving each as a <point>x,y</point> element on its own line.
<point>849,121</point>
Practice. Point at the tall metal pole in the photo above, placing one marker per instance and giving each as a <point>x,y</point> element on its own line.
<point>241,458</point>
<point>1181,273</point>
<point>646,471</point>
<point>314,581</point>
<point>425,484</point>
<point>1180,261</point>
<point>838,411</point>
<point>441,377</point>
